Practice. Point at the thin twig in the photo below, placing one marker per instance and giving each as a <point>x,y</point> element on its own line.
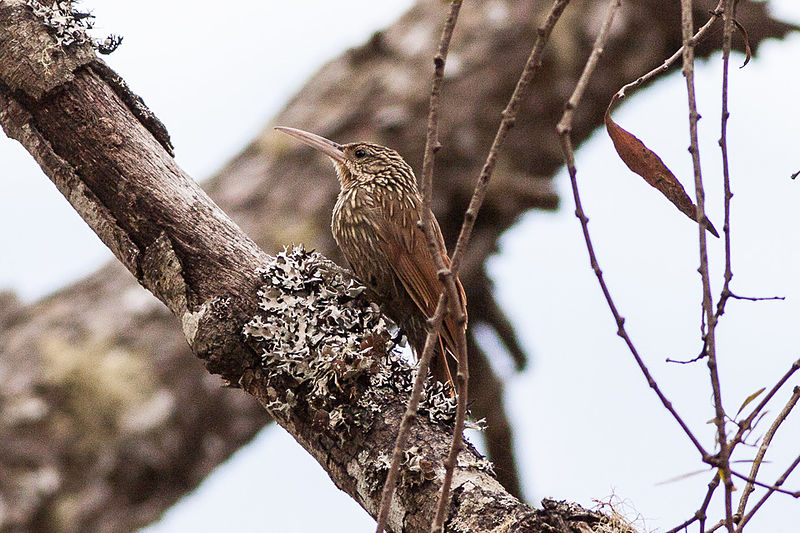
<point>564,129</point>
<point>774,488</point>
<point>700,514</point>
<point>410,414</point>
<point>509,116</point>
<point>755,298</point>
<point>722,461</point>
<point>746,423</point>
<point>762,450</point>
<point>448,276</point>
<point>716,526</point>
<point>687,361</point>
<point>431,145</point>
<point>534,62</point>
<point>769,493</point>
<point>727,34</point>
<point>715,14</point>
<point>683,525</point>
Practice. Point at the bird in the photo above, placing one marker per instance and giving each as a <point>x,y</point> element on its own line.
<point>376,225</point>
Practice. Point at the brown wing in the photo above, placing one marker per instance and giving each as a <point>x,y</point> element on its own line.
<point>411,261</point>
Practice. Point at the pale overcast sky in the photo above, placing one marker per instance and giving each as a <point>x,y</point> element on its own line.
<point>586,424</point>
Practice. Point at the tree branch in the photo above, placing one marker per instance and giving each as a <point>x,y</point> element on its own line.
<point>722,460</point>
<point>192,424</point>
<point>333,388</point>
<point>435,327</point>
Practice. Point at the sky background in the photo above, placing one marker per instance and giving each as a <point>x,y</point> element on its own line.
<point>587,426</point>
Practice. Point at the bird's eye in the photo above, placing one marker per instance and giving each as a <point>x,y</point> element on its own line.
<point>360,153</point>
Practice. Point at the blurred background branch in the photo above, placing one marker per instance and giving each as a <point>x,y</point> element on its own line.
<point>121,470</point>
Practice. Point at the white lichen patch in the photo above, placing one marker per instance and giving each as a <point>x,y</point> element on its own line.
<point>369,475</point>
<point>418,468</point>
<point>436,403</point>
<point>473,463</point>
<point>304,314</point>
<point>70,26</point>
<point>316,326</point>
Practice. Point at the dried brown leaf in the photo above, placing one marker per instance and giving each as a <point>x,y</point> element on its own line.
<point>747,52</point>
<point>645,162</point>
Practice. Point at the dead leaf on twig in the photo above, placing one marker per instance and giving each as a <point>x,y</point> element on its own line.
<point>747,51</point>
<point>648,165</point>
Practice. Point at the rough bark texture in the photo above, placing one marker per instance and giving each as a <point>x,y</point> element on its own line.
<point>330,383</point>
<point>106,419</point>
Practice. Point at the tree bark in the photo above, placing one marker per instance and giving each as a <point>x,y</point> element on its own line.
<point>108,471</point>
<point>294,331</point>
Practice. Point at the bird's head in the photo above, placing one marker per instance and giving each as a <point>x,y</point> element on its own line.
<point>359,163</point>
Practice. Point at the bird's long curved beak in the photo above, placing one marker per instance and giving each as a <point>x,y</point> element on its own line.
<point>327,147</point>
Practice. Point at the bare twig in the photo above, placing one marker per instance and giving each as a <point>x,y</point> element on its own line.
<point>746,423</point>
<point>755,298</point>
<point>715,14</point>
<point>722,459</point>
<point>209,273</point>
<point>774,488</point>
<point>716,526</point>
<point>509,116</point>
<point>448,276</point>
<point>762,450</point>
<point>564,129</point>
<point>431,146</point>
<point>700,514</point>
<point>728,18</point>
<point>688,361</point>
<point>507,122</point>
<point>770,491</point>
<point>410,414</point>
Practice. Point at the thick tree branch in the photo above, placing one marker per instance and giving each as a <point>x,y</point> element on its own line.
<point>333,388</point>
<point>110,472</point>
